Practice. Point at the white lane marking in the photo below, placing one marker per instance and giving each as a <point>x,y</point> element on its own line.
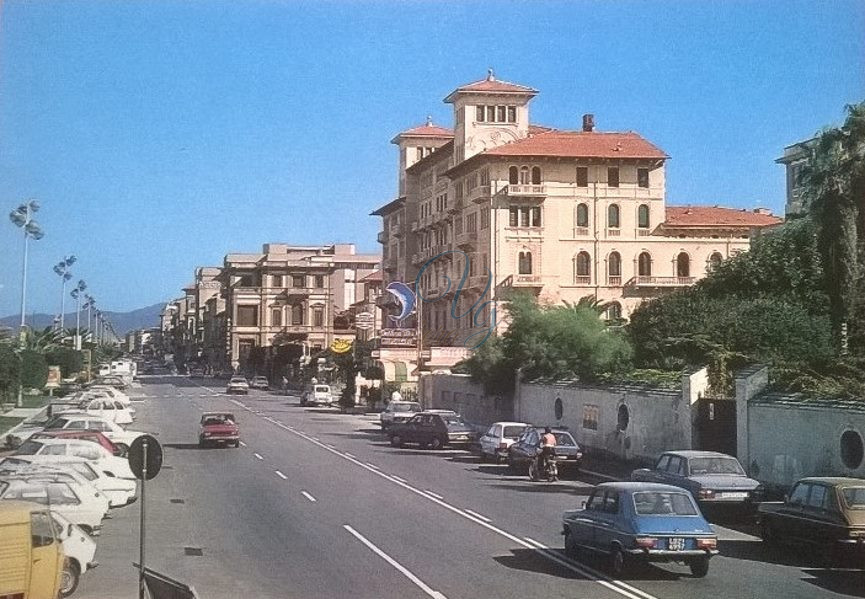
<point>238,403</point>
<point>348,455</point>
<point>728,534</point>
<point>476,515</point>
<point>436,495</point>
<point>598,474</point>
<point>308,496</point>
<point>395,477</point>
<point>373,466</point>
<point>402,569</point>
<point>242,444</point>
<point>281,475</point>
<point>257,456</point>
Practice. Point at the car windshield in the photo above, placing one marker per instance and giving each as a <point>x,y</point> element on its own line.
<point>29,448</point>
<point>854,497</point>
<point>322,389</point>
<point>53,493</point>
<point>663,503</point>
<point>564,439</point>
<point>715,466</point>
<point>452,419</point>
<point>404,406</point>
<point>512,432</point>
<point>237,379</point>
<point>56,423</point>
<point>219,419</point>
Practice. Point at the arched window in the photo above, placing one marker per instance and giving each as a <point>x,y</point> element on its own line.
<point>644,265</point>
<point>715,260</point>
<point>536,175</point>
<point>643,216</point>
<point>614,311</point>
<point>583,269</point>
<point>513,175</point>
<point>613,216</point>
<point>614,269</point>
<point>582,215</point>
<point>524,175</point>
<point>683,265</point>
<point>525,263</point>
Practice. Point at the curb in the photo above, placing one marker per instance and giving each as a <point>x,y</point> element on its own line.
<point>20,425</point>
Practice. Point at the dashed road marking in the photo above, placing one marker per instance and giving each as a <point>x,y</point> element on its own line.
<point>242,444</point>
<point>258,456</point>
<point>395,477</point>
<point>281,475</point>
<point>476,515</point>
<point>308,496</point>
<point>431,494</point>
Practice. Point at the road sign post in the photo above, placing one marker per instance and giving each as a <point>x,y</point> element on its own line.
<point>145,461</point>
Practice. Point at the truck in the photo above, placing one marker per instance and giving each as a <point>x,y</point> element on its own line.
<point>31,555</point>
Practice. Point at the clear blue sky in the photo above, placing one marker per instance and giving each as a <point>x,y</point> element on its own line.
<point>161,135</point>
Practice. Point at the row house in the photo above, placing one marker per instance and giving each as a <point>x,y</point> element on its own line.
<point>505,204</point>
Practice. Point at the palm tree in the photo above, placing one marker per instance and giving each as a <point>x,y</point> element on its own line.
<point>834,183</point>
<point>42,341</point>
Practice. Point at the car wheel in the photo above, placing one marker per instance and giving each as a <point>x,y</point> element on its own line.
<point>396,441</point>
<point>123,448</point>
<point>768,534</point>
<point>202,443</point>
<point>69,577</point>
<point>237,443</point>
<point>617,561</point>
<point>436,443</point>
<point>699,567</point>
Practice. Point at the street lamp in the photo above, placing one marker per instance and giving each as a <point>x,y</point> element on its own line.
<point>22,217</point>
<point>76,294</point>
<point>61,269</point>
<point>89,304</point>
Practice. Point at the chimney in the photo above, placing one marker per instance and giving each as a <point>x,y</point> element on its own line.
<point>761,210</point>
<point>588,122</point>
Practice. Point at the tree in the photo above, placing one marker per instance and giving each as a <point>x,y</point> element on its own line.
<point>69,360</point>
<point>10,370</point>
<point>34,369</point>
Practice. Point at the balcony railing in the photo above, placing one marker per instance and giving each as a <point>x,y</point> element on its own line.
<point>614,232</point>
<point>527,281</point>
<point>581,231</point>
<point>467,239</point>
<point>582,280</point>
<point>415,225</point>
<point>522,190</point>
<point>645,281</point>
<point>614,281</point>
<point>479,194</point>
<point>644,232</point>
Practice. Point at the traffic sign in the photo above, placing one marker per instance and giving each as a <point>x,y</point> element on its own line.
<point>145,447</point>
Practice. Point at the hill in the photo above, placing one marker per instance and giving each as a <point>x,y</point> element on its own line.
<point>123,321</point>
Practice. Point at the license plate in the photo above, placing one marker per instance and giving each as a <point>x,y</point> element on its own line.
<point>676,544</point>
<point>733,495</point>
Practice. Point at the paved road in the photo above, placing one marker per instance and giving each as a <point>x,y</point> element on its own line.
<point>316,504</point>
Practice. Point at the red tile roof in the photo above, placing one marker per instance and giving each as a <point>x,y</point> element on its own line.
<point>491,85</point>
<point>373,277</point>
<point>715,216</point>
<point>581,144</point>
<point>426,130</point>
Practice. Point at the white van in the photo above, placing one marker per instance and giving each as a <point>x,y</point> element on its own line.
<point>316,395</point>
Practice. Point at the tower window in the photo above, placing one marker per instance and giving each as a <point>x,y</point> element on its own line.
<point>512,114</point>
<point>642,177</point>
<point>613,176</point>
<point>582,176</point>
<point>481,111</point>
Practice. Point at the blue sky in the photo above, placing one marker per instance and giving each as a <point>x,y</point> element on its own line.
<point>160,135</point>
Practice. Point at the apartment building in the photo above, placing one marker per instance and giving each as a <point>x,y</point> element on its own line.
<point>795,159</point>
<point>290,297</point>
<point>505,204</point>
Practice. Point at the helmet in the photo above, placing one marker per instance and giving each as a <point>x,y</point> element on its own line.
<point>547,430</point>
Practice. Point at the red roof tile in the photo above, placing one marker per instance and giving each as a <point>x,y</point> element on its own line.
<point>427,130</point>
<point>581,144</point>
<point>491,85</point>
<point>373,277</point>
<point>715,216</point>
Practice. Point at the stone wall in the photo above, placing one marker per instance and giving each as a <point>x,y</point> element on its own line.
<point>457,392</point>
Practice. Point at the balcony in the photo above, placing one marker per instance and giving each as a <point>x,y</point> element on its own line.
<point>526,191</point>
<point>382,237</point>
<point>644,232</point>
<point>527,281</point>
<point>581,231</point>
<point>581,280</point>
<point>614,281</point>
<point>644,281</point>
<point>479,194</point>
<point>415,225</point>
<point>389,264</point>
<point>614,232</point>
<point>478,282</point>
<point>467,240</point>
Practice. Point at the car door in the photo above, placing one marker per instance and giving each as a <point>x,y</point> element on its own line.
<point>607,518</point>
<point>659,472</point>
<point>527,448</point>
<point>45,555</point>
<point>582,523</point>
<point>790,519</point>
<point>675,471</point>
<point>819,522</point>
<point>489,440</point>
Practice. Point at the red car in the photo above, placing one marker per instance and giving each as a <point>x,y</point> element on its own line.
<point>95,436</point>
<point>218,427</point>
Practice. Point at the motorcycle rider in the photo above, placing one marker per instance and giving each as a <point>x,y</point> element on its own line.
<point>547,450</point>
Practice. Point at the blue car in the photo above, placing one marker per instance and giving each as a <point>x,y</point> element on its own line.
<point>630,521</point>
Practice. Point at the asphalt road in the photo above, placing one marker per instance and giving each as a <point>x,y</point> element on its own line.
<point>316,504</point>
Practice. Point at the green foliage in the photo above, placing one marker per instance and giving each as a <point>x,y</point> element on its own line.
<point>554,342</point>
<point>69,360</point>
<point>663,379</point>
<point>10,368</point>
<point>34,369</point>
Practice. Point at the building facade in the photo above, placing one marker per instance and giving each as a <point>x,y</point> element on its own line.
<point>795,159</point>
<point>501,204</point>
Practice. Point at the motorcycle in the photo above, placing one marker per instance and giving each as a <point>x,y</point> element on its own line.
<point>548,469</point>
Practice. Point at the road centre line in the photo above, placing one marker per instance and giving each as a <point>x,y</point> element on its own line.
<point>395,477</point>
<point>436,495</point>
<point>242,444</point>
<point>374,467</point>
<point>281,475</point>
<point>308,496</point>
<point>476,515</point>
<point>257,456</point>
<point>402,569</point>
<point>617,586</point>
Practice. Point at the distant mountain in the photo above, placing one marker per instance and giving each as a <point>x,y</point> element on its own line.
<point>142,318</point>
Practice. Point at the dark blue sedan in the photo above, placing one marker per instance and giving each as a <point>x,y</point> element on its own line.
<point>630,521</point>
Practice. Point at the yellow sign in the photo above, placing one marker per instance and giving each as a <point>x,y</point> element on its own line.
<point>53,377</point>
<point>340,346</point>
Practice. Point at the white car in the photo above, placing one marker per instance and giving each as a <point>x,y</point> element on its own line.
<point>74,420</point>
<point>82,486</point>
<point>67,499</point>
<point>115,394</point>
<point>498,438</point>
<point>398,411</point>
<point>119,491</point>
<point>105,407</point>
<point>79,551</point>
<point>104,460</point>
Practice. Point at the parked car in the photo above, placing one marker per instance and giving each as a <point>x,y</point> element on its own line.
<point>237,384</point>
<point>196,372</point>
<point>113,380</point>
<point>398,411</point>
<point>433,430</point>
<point>32,556</point>
<point>569,455</point>
<point>110,464</point>
<point>827,513</point>
<point>218,427</point>
<point>84,488</point>
<point>93,436</point>
<point>115,394</point>
<point>260,382</point>
<point>711,477</point>
<point>498,438</point>
<point>317,395</point>
<point>82,421</point>
<point>79,551</point>
<point>104,407</point>
<point>119,491</point>
<point>81,508</point>
<point>631,521</point>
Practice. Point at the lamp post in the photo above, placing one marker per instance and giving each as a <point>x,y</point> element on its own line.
<point>76,294</point>
<point>22,217</point>
<point>61,269</point>
<point>89,303</point>
<point>96,326</point>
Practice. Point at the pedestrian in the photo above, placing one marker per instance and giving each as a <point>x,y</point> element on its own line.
<point>396,396</point>
<point>284,385</point>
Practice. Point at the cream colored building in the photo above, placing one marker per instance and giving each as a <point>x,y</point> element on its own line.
<point>563,214</point>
